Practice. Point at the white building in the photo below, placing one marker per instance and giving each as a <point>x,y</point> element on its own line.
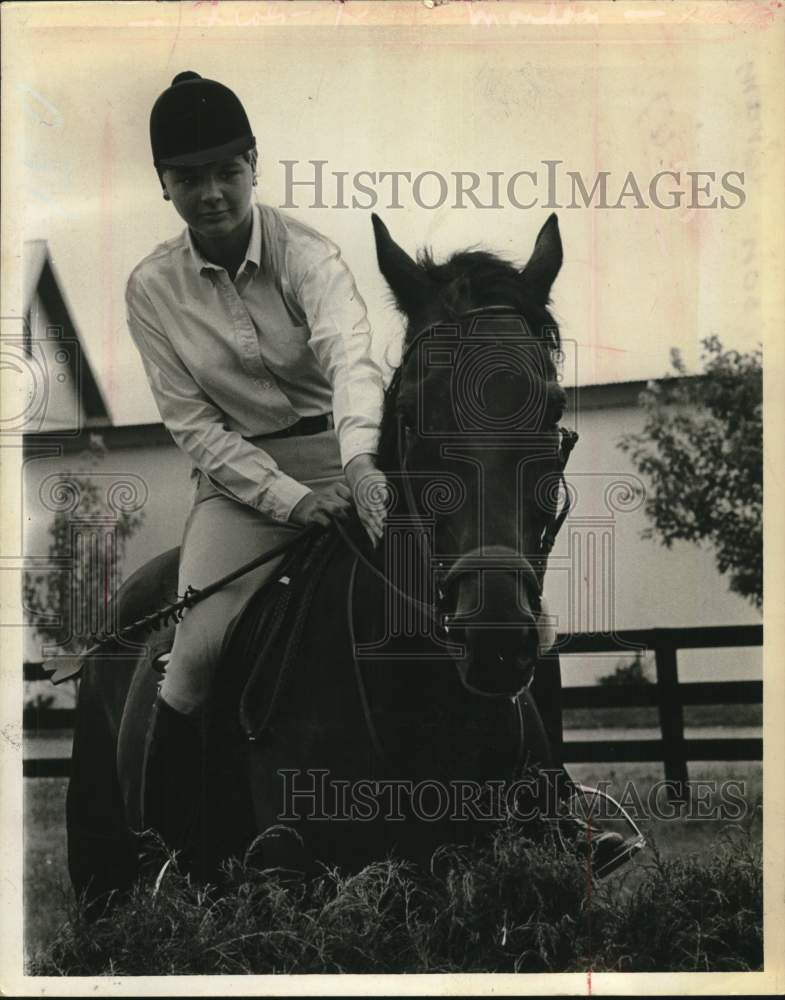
<point>62,391</point>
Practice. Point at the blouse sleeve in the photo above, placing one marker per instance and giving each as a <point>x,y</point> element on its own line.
<point>197,425</point>
<point>341,341</point>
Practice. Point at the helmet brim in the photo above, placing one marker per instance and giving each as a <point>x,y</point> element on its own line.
<point>203,156</point>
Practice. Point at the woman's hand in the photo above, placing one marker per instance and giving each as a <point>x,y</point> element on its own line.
<point>369,490</point>
<point>322,506</point>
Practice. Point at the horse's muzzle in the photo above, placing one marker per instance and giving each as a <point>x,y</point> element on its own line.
<point>495,620</point>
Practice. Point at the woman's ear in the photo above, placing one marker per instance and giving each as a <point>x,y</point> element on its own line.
<point>167,196</point>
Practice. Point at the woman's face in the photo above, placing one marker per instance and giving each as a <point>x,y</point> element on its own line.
<point>213,199</point>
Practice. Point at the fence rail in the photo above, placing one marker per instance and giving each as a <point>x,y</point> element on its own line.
<point>668,695</point>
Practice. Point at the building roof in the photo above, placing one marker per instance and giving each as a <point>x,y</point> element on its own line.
<point>41,281</point>
<point>154,435</point>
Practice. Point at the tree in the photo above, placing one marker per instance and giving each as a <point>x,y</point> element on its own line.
<point>65,603</point>
<point>702,449</point>
<point>631,674</point>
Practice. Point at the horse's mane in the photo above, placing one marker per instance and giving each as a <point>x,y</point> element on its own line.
<point>469,279</point>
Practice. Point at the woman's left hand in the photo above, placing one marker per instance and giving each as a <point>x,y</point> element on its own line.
<point>370,493</point>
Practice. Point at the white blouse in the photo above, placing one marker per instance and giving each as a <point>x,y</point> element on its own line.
<point>227,360</point>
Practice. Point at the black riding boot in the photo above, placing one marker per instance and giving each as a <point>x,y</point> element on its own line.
<point>605,850</point>
<point>172,774</point>
<point>554,797</point>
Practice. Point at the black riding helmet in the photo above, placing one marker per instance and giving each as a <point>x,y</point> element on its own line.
<point>196,121</point>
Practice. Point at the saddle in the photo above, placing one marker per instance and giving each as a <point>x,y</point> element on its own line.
<point>263,616</point>
<point>266,634</point>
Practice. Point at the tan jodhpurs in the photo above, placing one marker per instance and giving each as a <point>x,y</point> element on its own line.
<point>219,536</point>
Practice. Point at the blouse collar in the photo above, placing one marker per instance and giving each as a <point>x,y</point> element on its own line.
<point>253,254</point>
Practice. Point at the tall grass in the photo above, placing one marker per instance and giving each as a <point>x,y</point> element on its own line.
<point>512,905</point>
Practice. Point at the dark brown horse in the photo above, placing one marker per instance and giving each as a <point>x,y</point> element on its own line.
<point>408,690</point>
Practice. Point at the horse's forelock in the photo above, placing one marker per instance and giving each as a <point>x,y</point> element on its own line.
<point>472,278</point>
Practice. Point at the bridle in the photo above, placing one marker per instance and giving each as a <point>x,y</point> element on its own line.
<point>553,524</point>
<point>435,611</point>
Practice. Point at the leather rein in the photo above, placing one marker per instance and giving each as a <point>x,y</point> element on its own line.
<point>434,610</point>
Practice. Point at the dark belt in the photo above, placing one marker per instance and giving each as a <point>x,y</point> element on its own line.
<point>304,426</point>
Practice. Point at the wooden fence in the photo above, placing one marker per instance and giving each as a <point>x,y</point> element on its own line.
<point>668,695</point>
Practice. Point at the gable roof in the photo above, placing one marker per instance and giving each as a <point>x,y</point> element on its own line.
<point>40,280</point>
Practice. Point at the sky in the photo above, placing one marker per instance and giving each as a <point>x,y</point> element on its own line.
<point>415,94</point>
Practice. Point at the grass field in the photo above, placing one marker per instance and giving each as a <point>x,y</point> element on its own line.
<point>691,901</point>
<point>47,891</point>
<point>646,716</point>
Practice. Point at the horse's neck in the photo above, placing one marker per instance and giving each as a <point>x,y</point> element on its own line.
<point>422,720</point>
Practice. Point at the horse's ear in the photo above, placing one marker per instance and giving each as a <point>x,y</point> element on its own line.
<point>407,280</point>
<point>545,261</point>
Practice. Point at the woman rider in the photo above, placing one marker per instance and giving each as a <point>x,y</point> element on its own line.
<point>256,344</point>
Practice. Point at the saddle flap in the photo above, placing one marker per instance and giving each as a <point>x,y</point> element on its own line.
<point>266,634</point>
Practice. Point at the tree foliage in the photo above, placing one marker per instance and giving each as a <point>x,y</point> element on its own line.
<point>702,450</point>
<point>627,674</point>
<point>66,603</point>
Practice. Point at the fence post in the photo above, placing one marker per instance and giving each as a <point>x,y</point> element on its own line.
<point>671,717</point>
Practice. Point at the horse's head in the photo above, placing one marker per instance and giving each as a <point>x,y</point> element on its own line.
<point>471,432</point>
